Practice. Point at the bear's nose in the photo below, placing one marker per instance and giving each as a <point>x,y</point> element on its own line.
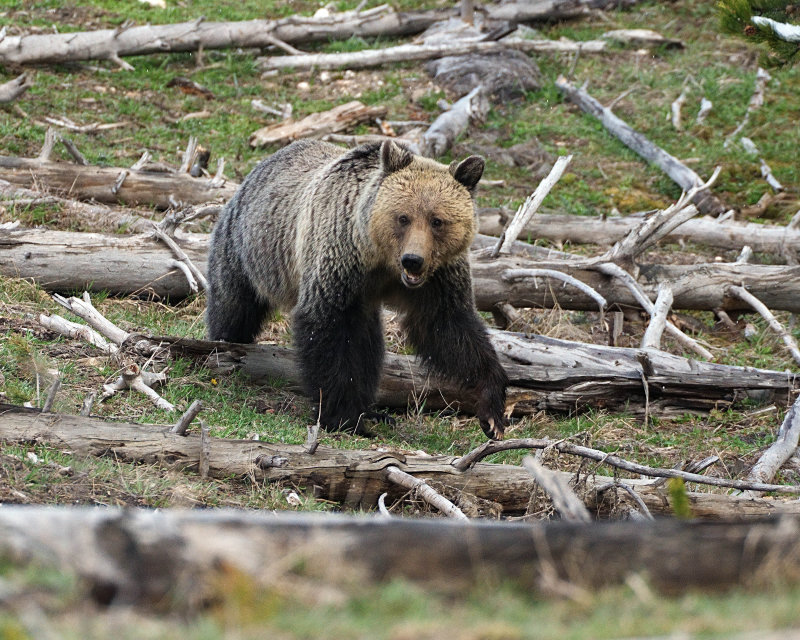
<point>412,262</point>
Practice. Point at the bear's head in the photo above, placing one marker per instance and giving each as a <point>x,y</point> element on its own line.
<point>423,215</point>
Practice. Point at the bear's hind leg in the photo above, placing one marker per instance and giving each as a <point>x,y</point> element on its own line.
<point>341,353</point>
<point>233,312</point>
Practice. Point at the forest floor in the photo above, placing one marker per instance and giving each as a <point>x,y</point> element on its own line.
<point>604,177</point>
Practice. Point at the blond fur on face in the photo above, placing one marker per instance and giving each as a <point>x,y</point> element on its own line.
<point>421,211</point>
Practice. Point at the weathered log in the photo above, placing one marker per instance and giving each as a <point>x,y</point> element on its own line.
<point>682,175</point>
<point>63,261</point>
<point>410,52</point>
<point>449,125</point>
<point>114,44</point>
<point>147,557</point>
<point>546,374</point>
<point>354,478</point>
<point>317,124</point>
<point>606,231</point>
<point>160,189</point>
<point>97,217</point>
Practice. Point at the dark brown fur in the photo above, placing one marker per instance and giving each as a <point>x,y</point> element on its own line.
<point>333,234</point>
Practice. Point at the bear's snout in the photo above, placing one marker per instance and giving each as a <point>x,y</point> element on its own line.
<point>412,262</point>
<point>412,269</point>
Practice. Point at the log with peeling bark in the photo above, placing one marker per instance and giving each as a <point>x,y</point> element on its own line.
<point>682,175</point>
<point>410,52</point>
<point>64,261</point>
<point>98,217</point>
<point>318,124</point>
<point>351,477</point>
<point>606,231</point>
<point>115,44</point>
<point>149,558</point>
<point>159,189</point>
<point>545,374</point>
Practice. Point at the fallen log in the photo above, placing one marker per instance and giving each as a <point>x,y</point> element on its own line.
<point>409,52</point>
<point>63,261</point>
<point>351,477</point>
<point>137,556</point>
<point>682,175</point>
<point>450,124</point>
<point>544,373</point>
<point>606,231</point>
<point>115,44</point>
<point>317,124</point>
<point>159,189</point>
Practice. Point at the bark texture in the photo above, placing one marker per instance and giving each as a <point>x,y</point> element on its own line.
<point>63,261</point>
<point>83,182</point>
<point>149,558</point>
<point>606,231</point>
<point>351,477</point>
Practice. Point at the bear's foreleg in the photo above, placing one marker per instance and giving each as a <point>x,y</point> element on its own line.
<point>340,353</point>
<point>449,336</point>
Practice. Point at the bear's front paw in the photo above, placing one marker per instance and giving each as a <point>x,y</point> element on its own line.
<point>491,407</point>
<point>493,428</point>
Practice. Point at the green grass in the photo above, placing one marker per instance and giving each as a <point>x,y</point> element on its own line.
<point>604,176</point>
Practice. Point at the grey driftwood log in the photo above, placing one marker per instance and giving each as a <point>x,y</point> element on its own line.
<point>606,231</point>
<point>132,556</point>
<point>82,182</point>
<point>114,44</point>
<point>354,478</point>
<point>408,52</point>
<point>545,374</point>
<point>64,261</point>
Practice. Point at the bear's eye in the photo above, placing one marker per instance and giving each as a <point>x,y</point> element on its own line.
<point>403,220</point>
<point>437,223</point>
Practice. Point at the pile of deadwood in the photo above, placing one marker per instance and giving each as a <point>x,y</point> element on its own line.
<point>157,551</point>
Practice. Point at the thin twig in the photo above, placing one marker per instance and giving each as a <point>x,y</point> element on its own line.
<point>531,204</point>
<point>705,109</point>
<point>631,492</point>
<point>74,330</point>
<point>658,322</point>
<point>205,449</point>
<point>88,401</point>
<point>495,446</point>
<point>187,273</point>
<point>185,420</point>
<point>382,505</point>
<point>611,269</point>
<point>180,254</point>
<point>85,310</point>
<point>518,274</point>
<point>50,400</point>
<point>424,491</point>
<point>761,308</point>
<point>784,447</point>
<point>756,100</point>
<point>568,505</point>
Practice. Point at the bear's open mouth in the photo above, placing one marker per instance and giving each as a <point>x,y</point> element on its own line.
<point>412,280</point>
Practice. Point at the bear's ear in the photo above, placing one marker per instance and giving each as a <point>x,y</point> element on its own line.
<point>394,157</point>
<point>468,172</point>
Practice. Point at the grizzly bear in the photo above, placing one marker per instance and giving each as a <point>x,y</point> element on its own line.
<point>333,234</point>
